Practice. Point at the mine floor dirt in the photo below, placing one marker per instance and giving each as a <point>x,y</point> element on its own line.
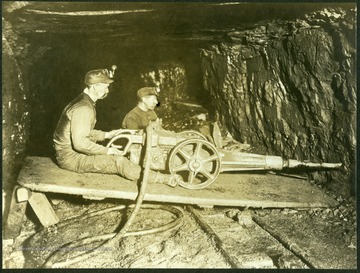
<point>233,237</point>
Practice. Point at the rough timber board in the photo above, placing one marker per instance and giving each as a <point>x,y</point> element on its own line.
<point>237,190</point>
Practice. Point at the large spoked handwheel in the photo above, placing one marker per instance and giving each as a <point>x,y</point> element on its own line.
<point>197,161</point>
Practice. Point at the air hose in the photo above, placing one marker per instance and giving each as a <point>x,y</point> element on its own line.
<point>112,239</point>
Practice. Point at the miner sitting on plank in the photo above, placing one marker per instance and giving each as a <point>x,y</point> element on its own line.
<point>75,139</point>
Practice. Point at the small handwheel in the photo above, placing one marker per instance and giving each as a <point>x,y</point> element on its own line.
<point>112,143</point>
<point>197,161</point>
<point>192,134</point>
<point>122,141</point>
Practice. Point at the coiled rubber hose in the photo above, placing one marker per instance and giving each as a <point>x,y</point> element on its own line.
<point>113,238</point>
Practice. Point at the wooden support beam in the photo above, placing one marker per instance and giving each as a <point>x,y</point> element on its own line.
<point>22,194</point>
<point>15,217</point>
<point>43,209</point>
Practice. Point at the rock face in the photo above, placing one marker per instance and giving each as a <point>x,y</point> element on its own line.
<point>170,78</point>
<point>289,88</point>
<point>16,116</point>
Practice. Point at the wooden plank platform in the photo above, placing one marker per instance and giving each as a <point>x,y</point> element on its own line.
<point>234,190</point>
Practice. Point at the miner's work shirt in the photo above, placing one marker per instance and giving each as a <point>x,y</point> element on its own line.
<point>75,143</point>
<point>75,129</point>
<point>137,119</point>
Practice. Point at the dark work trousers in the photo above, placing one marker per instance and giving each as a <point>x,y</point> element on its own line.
<point>106,164</point>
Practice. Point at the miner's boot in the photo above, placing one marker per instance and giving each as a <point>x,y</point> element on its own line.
<point>168,179</point>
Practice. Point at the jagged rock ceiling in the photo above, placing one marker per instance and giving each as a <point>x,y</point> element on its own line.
<point>133,22</point>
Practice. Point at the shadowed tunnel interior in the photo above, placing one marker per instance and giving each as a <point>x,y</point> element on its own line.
<point>278,76</point>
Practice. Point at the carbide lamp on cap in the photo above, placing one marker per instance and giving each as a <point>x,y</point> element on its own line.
<point>112,72</point>
<point>97,76</point>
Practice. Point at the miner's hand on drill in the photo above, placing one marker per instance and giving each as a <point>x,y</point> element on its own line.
<point>113,133</point>
<point>114,151</point>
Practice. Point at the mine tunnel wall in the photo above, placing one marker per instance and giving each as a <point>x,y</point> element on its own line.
<point>15,118</point>
<point>289,87</point>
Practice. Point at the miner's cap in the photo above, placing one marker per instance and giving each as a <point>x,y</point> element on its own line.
<point>98,76</point>
<point>146,91</point>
